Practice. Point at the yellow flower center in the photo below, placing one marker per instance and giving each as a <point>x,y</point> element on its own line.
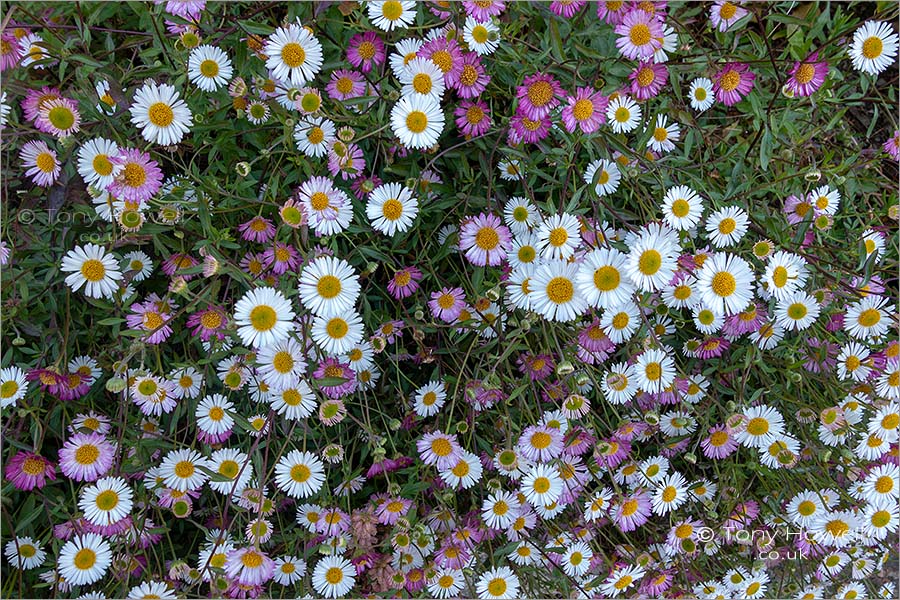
<point>337,328</point>
<point>85,559</point>
<point>583,110</point>
<point>252,559</point>
<point>441,447</point>
<point>560,290</point>
<point>480,34</point>
<point>184,469</point>
<point>391,10</point>
<point>758,426</point>
<point>805,73</point>
<point>724,284</point>
<point>727,11</point>
<point>300,473</point>
<point>727,225</point>
<point>649,262</point>
<point>160,114</point>
<point>134,175</point>
<point>640,34</point>
<point>869,317</point>
<point>229,469</point>
<point>872,48</point>
<point>61,117</point>
<point>645,76</point>
<point>392,209</point>
<point>497,587</point>
<point>487,238</point>
<point>293,55</point>
<point>107,500</point>
<point>540,93</point>
<point>416,121</point>
<point>797,311</point>
<point>730,80</point>
<point>93,270</point>
<point>209,68</point>
<point>366,50</point>
<point>541,485</point>
<point>443,59</point>
<point>263,318</point>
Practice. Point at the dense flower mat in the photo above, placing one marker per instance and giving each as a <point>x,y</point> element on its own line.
<point>493,299</point>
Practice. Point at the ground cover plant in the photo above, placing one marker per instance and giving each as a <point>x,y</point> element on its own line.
<point>427,299</point>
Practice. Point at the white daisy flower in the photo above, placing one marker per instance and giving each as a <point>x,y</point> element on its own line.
<point>213,416</point>
<point>620,580</point>
<point>881,486</point>
<point>559,236</point>
<point>94,164</point>
<point>84,559</point>
<point>603,175</point>
<point>655,371</point>
<point>553,292</point>
<point>825,199</point>
<point>334,575</point>
<point>785,274</point>
<point>391,208</point>
<point>446,583</point>
<point>682,208</point>
<point>421,77</point>
<point>602,278</point>
<point>523,251</point>
<point>619,383</point>
<point>299,474</point>
<point>520,215</point>
<point>623,114</point>
<point>294,54</point>
<point>465,473</point>
<point>293,402</point>
<point>388,15</point>
<point>337,334</point>
<point>314,135</point>
<point>620,322</point>
<point>329,286</point>
<point>429,399</point>
<point>725,283</point>
<point>232,465</point>
<point>577,559</point>
<point>727,226</point>
<point>764,425</point>
<point>707,320</point>
<point>24,553</point>
<point>518,286</point>
<point>837,529</point>
<point>160,113</point>
<point>289,570</point>
<point>873,241</point>
<point>498,510</point>
<point>139,263</point>
<point>653,257</point>
<point>867,319</point>
<point>180,470</point>
<point>874,47</point>
<point>797,311</point>
<point>418,121</point>
<point>702,94</point>
<point>499,582</point>
<point>13,386</point>
<point>91,267</point>
<point>664,135</point>
<point>542,484</point>
<point>510,169</point>
<point>670,493</point>
<point>106,502</point>
<point>263,316</point>
<point>209,68</point>
<point>481,38</point>
<point>152,589</point>
<point>281,364</point>
<point>404,52</point>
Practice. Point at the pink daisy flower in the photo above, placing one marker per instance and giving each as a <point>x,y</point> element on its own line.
<point>796,208</point>
<point>139,179</point>
<point>333,522</point>
<point>405,282</point>
<point>630,512</point>
<point>648,79</point>
<point>612,11</point>
<point>40,162</point>
<point>725,13</point>
<point>147,317</point>
<point>808,76</point>
<point>719,443</point>
<point>447,304</point>
<point>640,35</point>
<point>538,95</point>
<point>281,258</point>
<point>365,185</point>
<point>27,471</point>
<point>390,511</point>
<point>177,263</point>
<point>523,129</point>
<point>349,162</point>
<point>346,84</point>
<point>254,264</point>
<point>892,145</point>
<point>586,110</point>
<point>473,118</point>
<point>540,443</point>
<point>732,83</point>
<point>473,78</point>
<point>483,10</point>
<point>439,449</point>
<point>258,229</point>
<point>485,240</point>
<point>35,100</point>
<point>390,331</point>
<point>51,110</point>
<point>249,566</point>
<point>566,8</point>
<point>537,367</point>
<point>75,386</point>
<point>10,51</point>
<point>365,50</point>
<point>747,321</point>
<point>86,457</point>
<point>712,347</point>
<point>208,323</point>
<point>447,55</point>
<point>342,379</point>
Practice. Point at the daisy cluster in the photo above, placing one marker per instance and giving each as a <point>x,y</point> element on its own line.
<point>431,299</point>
